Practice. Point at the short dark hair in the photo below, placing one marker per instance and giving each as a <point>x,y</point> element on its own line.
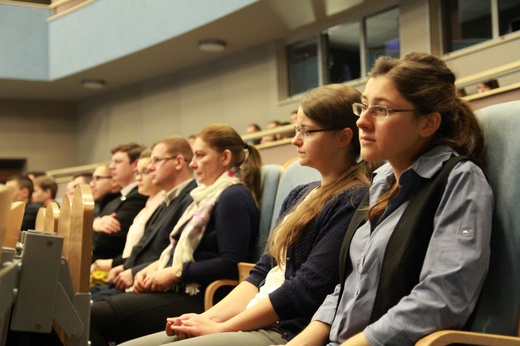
<point>132,149</point>
<point>24,182</point>
<point>47,183</point>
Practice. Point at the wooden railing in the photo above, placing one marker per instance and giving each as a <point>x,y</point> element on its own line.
<point>63,7</point>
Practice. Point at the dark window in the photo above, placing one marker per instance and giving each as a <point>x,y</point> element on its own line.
<point>303,66</point>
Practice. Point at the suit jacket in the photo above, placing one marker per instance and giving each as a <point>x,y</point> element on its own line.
<point>156,235</point>
<point>126,208</point>
<point>29,216</point>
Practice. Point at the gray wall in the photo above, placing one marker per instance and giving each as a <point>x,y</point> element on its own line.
<point>44,133</point>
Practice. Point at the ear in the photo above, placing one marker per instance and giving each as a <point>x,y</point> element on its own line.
<point>134,164</point>
<point>430,124</point>
<point>25,193</point>
<point>346,136</point>
<point>180,162</point>
<point>226,157</point>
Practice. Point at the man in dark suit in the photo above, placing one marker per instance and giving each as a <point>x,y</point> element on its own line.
<point>111,227</point>
<point>24,188</point>
<point>170,171</point>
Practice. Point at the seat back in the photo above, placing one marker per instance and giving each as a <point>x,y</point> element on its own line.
<point>498,308</point>
<point>14,224</point>
<point>293,175</point>
<point>6,197</point>
<point>80,237</point>
<point>270,179</point>
<point>64,224</point>
<point>39,224</point>
<point>52,214</point>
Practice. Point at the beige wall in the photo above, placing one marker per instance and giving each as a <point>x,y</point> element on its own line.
<point>43,133</point>
<point>237,91</point>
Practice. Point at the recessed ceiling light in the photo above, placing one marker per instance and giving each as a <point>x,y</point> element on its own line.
<point>212,45</point>
<point>93,83</point>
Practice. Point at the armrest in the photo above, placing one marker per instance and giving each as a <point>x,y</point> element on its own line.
<point>243,272</point>
<point>212,288</point>
<point>447,337</point>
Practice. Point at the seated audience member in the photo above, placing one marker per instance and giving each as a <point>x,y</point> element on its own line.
<point>111,226</point>
<point>253,128</point>
<point>294,117</point>
<point>146,188</point>
<point>83,178</point>
<point>103,188</point>
<point>191,140</point>
<point>45,189</point>
<point>175,178</point>
<point>415,271</point>
<point>461,92</point>
<point>270,138</point>
<point>285,134</point>
<point>34,174</point>
<point>215,233</point>
<point>487,85</point>
<point>300,265</point>
<point>23,186</point>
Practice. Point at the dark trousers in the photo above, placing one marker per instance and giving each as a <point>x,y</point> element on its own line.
<point>126,316</point>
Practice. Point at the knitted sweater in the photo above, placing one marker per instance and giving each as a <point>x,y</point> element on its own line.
<point>312,261</point>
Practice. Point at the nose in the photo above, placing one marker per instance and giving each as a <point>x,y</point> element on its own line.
<point>297,139</point>
<point>364,119</point>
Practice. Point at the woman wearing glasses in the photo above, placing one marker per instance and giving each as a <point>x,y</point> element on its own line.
<point>418,264</point>
<point>214,233</point>
<point>300,264</point>
<point>145,187</point>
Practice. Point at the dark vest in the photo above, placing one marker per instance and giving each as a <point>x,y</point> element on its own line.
<point>407,246</point>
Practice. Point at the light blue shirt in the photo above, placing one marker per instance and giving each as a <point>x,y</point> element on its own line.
<point>453,271</point>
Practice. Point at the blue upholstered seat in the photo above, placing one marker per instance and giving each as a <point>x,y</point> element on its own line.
<point>497,311</point>
<point>293,175</point>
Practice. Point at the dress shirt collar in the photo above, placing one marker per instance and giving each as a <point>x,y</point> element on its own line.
<point>126,190</point>
<point>175,192</point>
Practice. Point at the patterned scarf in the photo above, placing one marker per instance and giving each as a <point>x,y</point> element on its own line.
<point>193,224</point>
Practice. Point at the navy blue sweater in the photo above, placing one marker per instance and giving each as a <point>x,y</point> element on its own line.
<point>312,269</point>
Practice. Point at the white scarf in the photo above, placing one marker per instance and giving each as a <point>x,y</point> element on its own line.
<point>193,225</point>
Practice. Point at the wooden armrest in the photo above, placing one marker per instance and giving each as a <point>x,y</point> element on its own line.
<point>446,337</point>
<point>212,288</point>
<point>243,272</point>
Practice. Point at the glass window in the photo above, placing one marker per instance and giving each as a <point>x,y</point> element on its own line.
<point>382,36</point>
<point>467,22</point>
<point>303,66</point>
<point>509,16</point>
<point>343,53</point>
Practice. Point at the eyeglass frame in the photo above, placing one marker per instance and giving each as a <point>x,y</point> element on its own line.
<point>365,108</point>
<point>96,178</point>
<point>142,173</point>
<point>305,133</point>
<point>157,159</point>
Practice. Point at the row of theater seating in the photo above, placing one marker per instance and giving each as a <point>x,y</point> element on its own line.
<point>498,309</point>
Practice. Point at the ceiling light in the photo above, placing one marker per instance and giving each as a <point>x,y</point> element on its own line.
<point>93,83</point>
<point>212,45</point>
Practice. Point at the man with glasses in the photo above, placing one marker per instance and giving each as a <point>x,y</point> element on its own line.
<point>169,169</point>
<point>103,188</point>
<point>111,227</point>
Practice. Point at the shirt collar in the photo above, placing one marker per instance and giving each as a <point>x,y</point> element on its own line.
<point>126,190</point>
<point>175,192</point>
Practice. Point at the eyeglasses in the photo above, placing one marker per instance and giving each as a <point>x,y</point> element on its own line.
<point>95,178</point>
<point>142,173</point>
<point>377,111</point>
<point>155,160</point>
<point>305,132</point>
